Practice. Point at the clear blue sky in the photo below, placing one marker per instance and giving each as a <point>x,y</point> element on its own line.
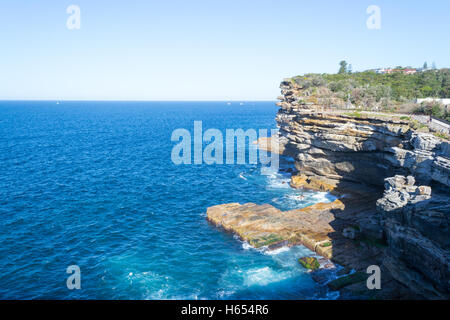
<point>205,50</point>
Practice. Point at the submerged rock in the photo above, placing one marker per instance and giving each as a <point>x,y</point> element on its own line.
<point>310,263</point>
<point>347,280</point>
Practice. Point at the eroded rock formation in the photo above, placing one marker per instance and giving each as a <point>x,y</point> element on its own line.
<point>340,151</point>
<point>416,226</point>
<point>393,183</point>
<point>334,148</point>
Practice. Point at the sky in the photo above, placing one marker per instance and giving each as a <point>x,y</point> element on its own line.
<point>205,50</point>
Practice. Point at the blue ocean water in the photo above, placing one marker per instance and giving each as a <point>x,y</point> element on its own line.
<point>93,184</point>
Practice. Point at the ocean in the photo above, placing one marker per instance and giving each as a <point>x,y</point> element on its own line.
<point>92,184</point>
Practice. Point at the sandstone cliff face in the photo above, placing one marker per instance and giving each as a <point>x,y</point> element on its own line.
<point>337,147</point>
<point>344,152</point>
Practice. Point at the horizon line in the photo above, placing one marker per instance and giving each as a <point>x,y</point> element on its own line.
<point>137,100</point>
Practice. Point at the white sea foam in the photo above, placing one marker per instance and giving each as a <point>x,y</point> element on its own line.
<point>296,197</point>
<point>268,171</point>
<point>276,251</point>
<point>278,184</point>
<point>246,245</point>
<point>276,180</point>
<point>324,197</point>
<point>223,294</point>
<point>242,176</point>
<point>263,276</point>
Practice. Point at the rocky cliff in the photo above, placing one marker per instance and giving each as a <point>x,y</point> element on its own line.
<point>347,152</point>
<point>334,148</point>
<point>393,184</point>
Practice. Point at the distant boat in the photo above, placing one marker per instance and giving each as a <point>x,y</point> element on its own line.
<point>57,102</point>
<point>241,104</point>
<point>229,103</point>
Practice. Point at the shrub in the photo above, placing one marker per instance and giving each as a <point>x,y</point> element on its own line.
<point>438,110</point>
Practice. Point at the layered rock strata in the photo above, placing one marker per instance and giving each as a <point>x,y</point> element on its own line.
<point>319,227</point>
<point>333,147</point>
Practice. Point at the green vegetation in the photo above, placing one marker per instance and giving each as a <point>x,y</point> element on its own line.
<point>397,85</point>
<point>326,244</point>
<point>416,125</point>
<point>310,263</point>
<point>368,90</point>
<point>434,109</point>
<point>442,135</point>
<point>266,240</point>
<point>355,114</point>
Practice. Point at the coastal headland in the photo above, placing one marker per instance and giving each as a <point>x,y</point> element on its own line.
<point>392,182</point>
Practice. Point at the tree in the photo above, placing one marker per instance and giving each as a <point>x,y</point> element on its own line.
<point>349,68</point>
<point>343,67</point>
<point>425,65</point>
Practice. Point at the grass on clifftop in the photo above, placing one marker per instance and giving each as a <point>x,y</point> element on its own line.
<point>355,114</point>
